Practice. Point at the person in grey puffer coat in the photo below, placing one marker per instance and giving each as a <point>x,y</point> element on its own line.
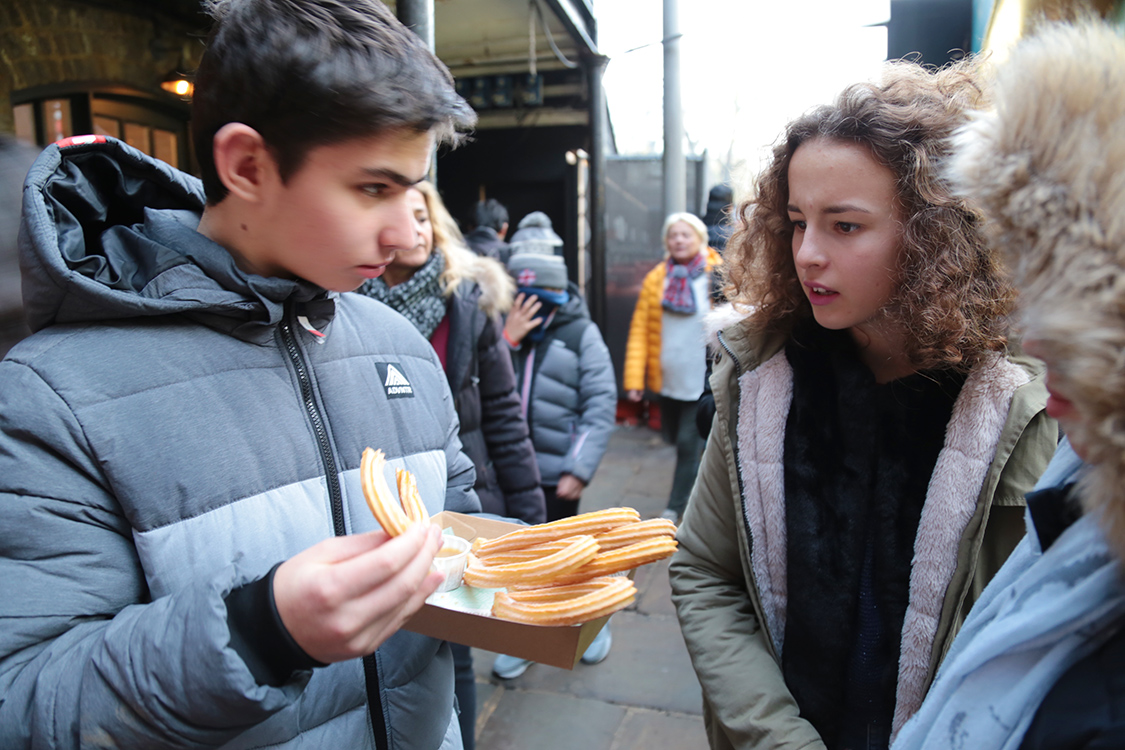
<point>565,378</point>
<point>569,396</point>
<point>187,559</point>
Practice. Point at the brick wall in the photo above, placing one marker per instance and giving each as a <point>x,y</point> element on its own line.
<point>57,41</point>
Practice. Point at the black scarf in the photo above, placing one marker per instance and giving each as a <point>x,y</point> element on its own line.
<point>858,460</point>
<point>419,298</point>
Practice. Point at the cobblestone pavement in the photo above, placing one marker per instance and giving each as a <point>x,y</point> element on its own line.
<point>645,694</point>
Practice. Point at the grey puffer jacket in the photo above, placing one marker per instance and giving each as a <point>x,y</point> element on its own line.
<point>568,384</point>
<point>168,435</point>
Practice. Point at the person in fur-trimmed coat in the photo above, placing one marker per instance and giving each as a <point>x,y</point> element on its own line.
<point>1039,663</point>
<point>455,298</point>
<point>874,436</point>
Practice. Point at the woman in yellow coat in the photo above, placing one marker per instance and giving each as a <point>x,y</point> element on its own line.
<point>666,342</point>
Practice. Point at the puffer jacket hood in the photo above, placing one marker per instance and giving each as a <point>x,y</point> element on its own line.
<point>108,234</point>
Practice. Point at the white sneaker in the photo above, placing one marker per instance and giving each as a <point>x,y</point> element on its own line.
<point>598,649</point>
<point>672,516</point>
<point>509,667</point>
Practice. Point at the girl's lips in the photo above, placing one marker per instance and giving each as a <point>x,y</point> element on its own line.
<point>819,294</point>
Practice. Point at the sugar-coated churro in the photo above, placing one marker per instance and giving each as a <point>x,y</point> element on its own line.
<point>580,604</point>
<point>411,500</point>
<point>631,533</point>
<point>534,572</point>
<point>596,522</point>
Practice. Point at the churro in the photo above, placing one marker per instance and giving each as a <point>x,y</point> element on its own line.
<point>411,500</point>
<point>631,533</point>
<point>377,492</point>
<point>578,604</point>
<point>524,554</point>
<point>580,552</point>
<point>596,522</point>
<point>618,561</point>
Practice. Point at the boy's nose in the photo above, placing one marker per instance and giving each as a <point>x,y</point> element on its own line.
<point>400,232</point>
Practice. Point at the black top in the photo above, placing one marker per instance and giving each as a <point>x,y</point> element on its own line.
<point>858,461</point>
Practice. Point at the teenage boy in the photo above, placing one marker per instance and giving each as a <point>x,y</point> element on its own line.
<point>186,556</point>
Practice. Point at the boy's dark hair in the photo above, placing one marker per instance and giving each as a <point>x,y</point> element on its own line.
<point>308,73</point>
<point>490,213</point>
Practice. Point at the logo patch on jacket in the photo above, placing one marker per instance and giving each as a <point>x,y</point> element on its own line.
<point>395,382</point>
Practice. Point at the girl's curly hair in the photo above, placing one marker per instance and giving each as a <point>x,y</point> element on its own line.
<point>953,300</point>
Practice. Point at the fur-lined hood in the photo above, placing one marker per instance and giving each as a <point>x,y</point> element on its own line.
<point>1047,166</point>
<point>496,285</point>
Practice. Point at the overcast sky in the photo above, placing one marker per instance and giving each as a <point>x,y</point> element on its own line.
<point>748,67</point>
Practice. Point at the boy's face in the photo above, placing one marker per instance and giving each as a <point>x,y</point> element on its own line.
<point>341,217</point>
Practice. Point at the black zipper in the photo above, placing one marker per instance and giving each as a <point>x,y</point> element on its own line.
<point>336,498</point>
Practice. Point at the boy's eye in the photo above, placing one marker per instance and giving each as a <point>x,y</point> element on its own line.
<point>846,226</point>
<point>374,188</point>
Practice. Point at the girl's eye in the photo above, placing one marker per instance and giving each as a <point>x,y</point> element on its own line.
<point>799,225</point>
<point>846,227</point>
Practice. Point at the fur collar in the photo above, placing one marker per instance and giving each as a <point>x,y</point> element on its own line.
<point>497,288</point>
<point>979,414</point>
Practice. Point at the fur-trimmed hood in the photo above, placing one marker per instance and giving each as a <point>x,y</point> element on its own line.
<point>497,288</point>
<point>1047,167</point>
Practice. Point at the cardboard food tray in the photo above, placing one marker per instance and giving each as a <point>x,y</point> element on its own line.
<point>556,646</point>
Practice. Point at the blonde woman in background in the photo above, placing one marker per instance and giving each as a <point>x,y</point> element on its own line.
<point>666,349</point>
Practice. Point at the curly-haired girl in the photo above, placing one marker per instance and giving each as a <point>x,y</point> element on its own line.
<point>873,438</point>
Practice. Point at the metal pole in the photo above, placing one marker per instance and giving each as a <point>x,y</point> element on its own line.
<point>418,16</point>
<point>599,146</point>
<point>675,183</point>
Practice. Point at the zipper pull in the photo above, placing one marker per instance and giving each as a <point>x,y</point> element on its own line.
<point>319,337</point>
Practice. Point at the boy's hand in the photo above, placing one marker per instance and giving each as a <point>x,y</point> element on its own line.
<point>521,319</point>
<point>634,396</point>
<point>343,597</point>
<point>570,487</point>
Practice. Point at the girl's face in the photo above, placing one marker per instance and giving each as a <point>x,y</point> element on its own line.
<point>845,237</point>
<point>682,242</point>
<point>408,261</point>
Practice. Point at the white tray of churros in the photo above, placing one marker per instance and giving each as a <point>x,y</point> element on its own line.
<point>540,592</point>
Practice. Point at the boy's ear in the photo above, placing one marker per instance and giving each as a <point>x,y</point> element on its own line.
<point>244,163</point>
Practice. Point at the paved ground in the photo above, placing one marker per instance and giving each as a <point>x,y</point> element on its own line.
<point>645,694</point>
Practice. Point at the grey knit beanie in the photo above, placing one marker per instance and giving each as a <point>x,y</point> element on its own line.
<point>535,235</point>
<point>538,269</point>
